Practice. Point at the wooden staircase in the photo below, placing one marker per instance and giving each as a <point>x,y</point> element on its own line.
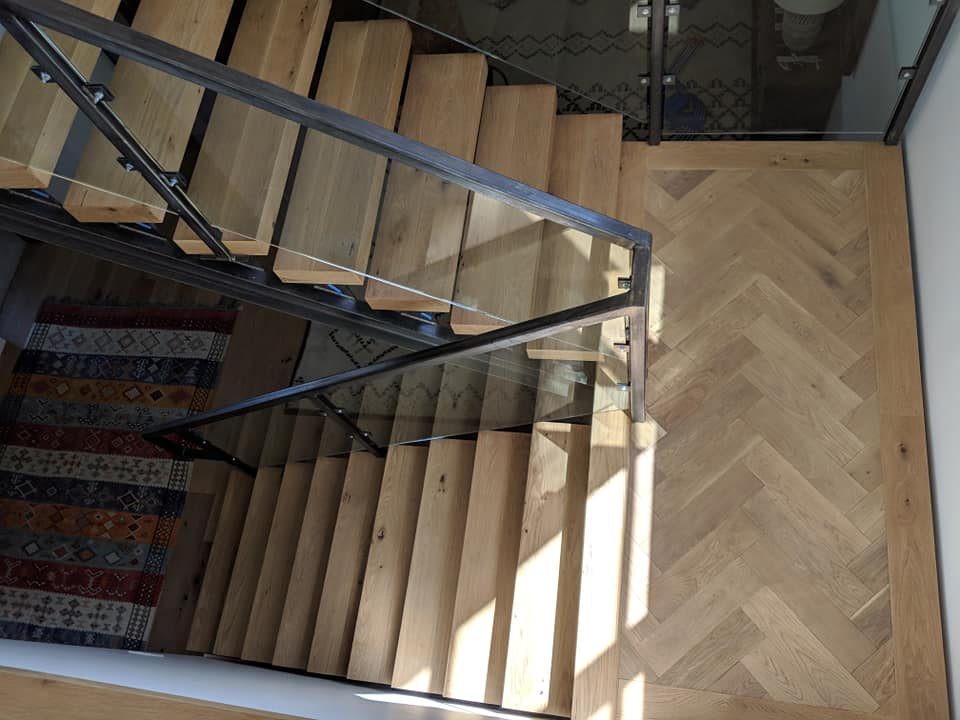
<point>459,567</point>
<point>452,567</point>
<point>368,219</point>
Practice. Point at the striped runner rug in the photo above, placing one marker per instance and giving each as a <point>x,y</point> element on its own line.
<point>88,508</point>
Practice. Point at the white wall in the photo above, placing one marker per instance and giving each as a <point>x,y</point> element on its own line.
<point>868,95</point>
<point>933,174</point>
<point>234,684</point>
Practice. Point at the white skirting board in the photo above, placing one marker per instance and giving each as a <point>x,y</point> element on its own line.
<point>211,680</point>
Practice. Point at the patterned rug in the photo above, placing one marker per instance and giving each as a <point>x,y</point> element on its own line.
<point>87,507</point>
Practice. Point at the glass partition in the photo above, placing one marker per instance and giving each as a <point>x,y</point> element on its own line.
<point>313,209</point>
<point>556,378</point>
<point>596,52</point>
<point>818,68</point>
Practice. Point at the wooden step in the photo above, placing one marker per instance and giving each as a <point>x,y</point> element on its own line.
<point>613,368</point>
<point>460,399</point>
<point>596,685</point>
<point>488,567</point>
<point>223,552</point>
<point>417,404</point>
<point>246,153</point>
<point>573,266</point>
<point>158,109</point>
<point>377,410</point>
<point>310,564</point>
<point>248,563</point>
<point>305,437</point>
<point>246,439</point>
<point>388,566</point>
<point>564,389</point>
<point>421,224</point>
<point>597,664</point>
<point>542,645</point>
<point>423,645</point>
<point>501,244</point>
<point>340,598</point>
<point>336,195</point>
<point>35,118</point>
<point>509,398</point>
<point>277,565</point>
<point>277,435</point>
<point>186,556</point>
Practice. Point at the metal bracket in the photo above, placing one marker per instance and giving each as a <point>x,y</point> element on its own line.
<point>98,92</point>
<point>673,9</point>
<point>354,432</point>
<point>42,74</point>
<point>640,14</point>
<point>174,179</point>
<point>625,345</point>
<point>624,283</point>
<point>644,80</point>
<point>907,73</point>
<point>669,79</point>
<point>199,448</point>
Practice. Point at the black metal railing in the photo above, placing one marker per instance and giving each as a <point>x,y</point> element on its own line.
<point>630,305</point>
<point>27,22</point>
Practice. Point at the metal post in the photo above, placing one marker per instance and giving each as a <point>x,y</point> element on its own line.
<point>658,31</point>
<point>639,330</point>
<point>937,34</point>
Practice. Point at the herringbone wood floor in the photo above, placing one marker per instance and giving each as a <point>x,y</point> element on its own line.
<point>762,569</point>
